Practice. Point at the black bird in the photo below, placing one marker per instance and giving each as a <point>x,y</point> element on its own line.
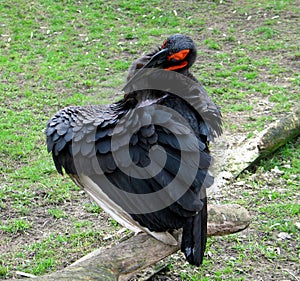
<point>145,158</point>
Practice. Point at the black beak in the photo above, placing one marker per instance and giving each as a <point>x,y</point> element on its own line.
<point>158,59</point>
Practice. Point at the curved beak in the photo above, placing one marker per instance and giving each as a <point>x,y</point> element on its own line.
<point>158,59</point>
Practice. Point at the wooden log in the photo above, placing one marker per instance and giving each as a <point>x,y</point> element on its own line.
<point>231,161</point>
<point>140,251</point>
<point>279,133</point>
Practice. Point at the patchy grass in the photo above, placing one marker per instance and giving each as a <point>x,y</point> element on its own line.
<point>54,54</point>
<point>15,225</point>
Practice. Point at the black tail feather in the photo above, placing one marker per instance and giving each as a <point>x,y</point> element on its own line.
<point>194,237</point>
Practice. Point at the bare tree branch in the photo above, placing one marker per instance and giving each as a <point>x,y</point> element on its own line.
<point>233,160</point>
<point>140,251</point>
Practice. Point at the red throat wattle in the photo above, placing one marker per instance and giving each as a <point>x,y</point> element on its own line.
<point>178,66</point>
<point>179,56</point>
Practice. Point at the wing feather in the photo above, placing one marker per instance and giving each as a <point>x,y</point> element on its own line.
<point>85,134</point>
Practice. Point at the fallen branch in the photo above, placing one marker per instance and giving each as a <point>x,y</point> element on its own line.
<point>233,160</point>
<point>123,260</point>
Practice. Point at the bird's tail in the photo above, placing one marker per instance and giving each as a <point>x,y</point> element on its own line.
<point>194,237</point>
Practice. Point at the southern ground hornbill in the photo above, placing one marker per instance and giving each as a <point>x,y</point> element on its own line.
<point>145,159</point>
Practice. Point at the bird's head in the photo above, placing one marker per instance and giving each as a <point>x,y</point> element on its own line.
<point>178,52</point>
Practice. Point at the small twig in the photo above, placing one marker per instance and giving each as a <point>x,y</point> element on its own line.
<point>24,274</point>
<point>291,274</point>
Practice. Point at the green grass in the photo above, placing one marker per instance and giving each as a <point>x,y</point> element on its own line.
<point>212,44</point>
<point>92,208</point>
<point>15,225</point>
<point>59,53</point>
<point>56,213</point>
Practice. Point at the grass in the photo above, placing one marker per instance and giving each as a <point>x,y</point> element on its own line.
<point>14,226</point>
<point>57,213</point>
<point>54,54</point>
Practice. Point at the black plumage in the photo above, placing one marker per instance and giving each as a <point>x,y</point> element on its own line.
<point>142,144</point>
